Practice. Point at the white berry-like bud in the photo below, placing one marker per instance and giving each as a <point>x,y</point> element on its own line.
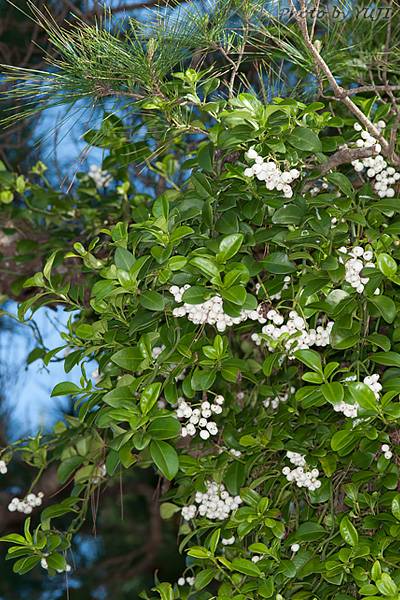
<point>295,547</point>
<point>251,154</point>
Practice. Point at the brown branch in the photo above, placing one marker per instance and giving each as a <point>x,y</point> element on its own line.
<point>345,155</point>
<point>340,93</point>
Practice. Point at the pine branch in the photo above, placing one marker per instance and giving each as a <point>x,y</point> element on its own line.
<point>339,92</point>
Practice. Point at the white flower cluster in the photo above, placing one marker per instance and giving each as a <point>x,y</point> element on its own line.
<point>350,410</point>
<point>274,402</point>
<point>215,503</point>
<point>182,581</point>
<point>3,467</point>
<point>211,311</point>
<point>387,452</point>
<point>229,541</point>
<point>197,417</point>
<point>235,453</point>
<point>354,266</point>
<point>302,476</point>
<point>377,166</point>
<point>27,505</point>
<point>155,353</point>
<point>294,325</point>
<point>316,189</point>
<point>44,564</point>
<point>271,173</point>
<point>101,178</point>
<point>277,296</point>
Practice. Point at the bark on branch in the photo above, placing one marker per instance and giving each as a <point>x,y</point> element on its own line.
<point>340,93</point>
<point>345,155</point>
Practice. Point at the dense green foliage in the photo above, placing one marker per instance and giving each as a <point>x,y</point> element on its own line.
<point>314,260</point>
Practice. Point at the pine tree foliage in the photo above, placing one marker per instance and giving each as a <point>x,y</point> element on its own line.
<point>232,267</point>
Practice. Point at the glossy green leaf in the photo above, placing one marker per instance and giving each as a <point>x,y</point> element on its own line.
<point>348,532</point>
<point>165,458</point>
<point>164,428</point>
<point>333,392</point>
<point>149,397</point>
<point>304,139</point>
<point>229,246</point>
<point>389,359</point>
<point>152,300</point>
<point>278,263</point>
<point>363,395</point>
<point>204,578</point>
<point>386,264</point>
<point>246,567</point>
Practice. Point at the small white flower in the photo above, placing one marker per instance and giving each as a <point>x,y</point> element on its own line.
<point>295,547</point>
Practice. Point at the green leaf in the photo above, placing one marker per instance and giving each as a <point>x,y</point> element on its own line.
<point>380,340</point>
<point>49,265</point>
<point>251,497</point>
<point>149,397</point>
<point>278,263</point>
<point>165,590</point>
<point>266,590</point>
<point>386,307</point>
<point>340,439</point>
<point>203,578</point>
<point>199,552</point>
<point>205,266</point>
<point>342,182</point>
<point>386,585</point>
<point>176,263</point>
<point>236,294</point>
<point>56,561</point>
<point>167,510</point>
<point>386,264</point>
<point>202,185</point>
<point>14,538</point>
<point>68,466</point>
<point>348,532</point>
<point>389,359</point>
<point>65,388</point>
<point>229,246</point>
<point>128,358</point>
<point>310,358</point>
<point>152,301</point>
<point>213,543</point>
<point>84,331</point>
<point>396,506</point>
<point>203,380</point>
<point>310,532</point>
<point>333,392</point>
<point>235,477</point>
<point>195,295</point>
<point>164,428</point>
<point>288,215</point>
<point>304,139</point>
<point>24,565</point>
<point>165,458</point>
<point>363,395</point>
<point>245,566</point>
<point>124,259</point>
